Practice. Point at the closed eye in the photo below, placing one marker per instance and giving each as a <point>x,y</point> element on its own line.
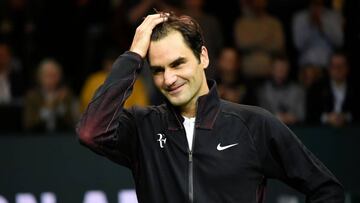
<point>178,62</point>
<point>157,70</point>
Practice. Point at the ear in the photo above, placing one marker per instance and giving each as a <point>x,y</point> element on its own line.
<point>204,57</point>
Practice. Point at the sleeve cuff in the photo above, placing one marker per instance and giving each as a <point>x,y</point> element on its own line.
<point>133,55</point>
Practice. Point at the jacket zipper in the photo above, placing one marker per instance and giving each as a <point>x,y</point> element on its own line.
<point>190,156</point>
<point>191,175</point>
<point>191,184</point>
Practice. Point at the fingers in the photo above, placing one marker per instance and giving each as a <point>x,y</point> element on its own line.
<point>141,39</point>
<point>152,20</point>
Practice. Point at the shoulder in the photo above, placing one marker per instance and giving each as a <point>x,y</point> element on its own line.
<point>328,13</point>
<point>260,124</point>
<point>296,87</point>
<point>273,20</point>
<point>246,113</point>
<point>301,15</point>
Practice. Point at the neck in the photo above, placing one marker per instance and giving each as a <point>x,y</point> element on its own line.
<point>339,82</point>
<point>260,13</point>
<point>189,110</point>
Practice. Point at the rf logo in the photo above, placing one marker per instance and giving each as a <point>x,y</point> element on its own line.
<point>161,140</point>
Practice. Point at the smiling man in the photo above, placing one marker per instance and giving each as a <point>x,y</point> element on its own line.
<point>195,147</point>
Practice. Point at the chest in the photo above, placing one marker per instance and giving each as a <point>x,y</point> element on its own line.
<point>225,152</point>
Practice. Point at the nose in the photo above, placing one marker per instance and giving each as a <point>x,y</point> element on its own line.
<point>169,77</point>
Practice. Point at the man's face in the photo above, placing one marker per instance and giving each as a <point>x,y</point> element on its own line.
<point>228,61</point>
<point>5,57</point>
<point>338,68</point>
<point>49,76</point>
<point>280,70</point>
<point>177,73</point>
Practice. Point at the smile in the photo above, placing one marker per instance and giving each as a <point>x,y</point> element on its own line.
<point>175,90</point>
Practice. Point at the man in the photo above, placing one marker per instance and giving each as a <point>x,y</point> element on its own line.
<point>317,32</point>
<point>11,85</point>
<point>196,147</point>
<point>282,96</point>
<point>258,35</point>
<point>339,105</point>
<point>49,106</point>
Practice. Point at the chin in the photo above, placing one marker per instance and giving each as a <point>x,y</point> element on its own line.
<point>176,101</point>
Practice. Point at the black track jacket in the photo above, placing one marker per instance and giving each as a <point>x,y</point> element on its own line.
<point>236,148</point>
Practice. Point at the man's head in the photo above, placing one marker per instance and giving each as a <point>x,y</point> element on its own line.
<point>228,61</point>
<point>338,68</point>
<point>49,74</point>
<point>186,26</point>
<point>228,65</point>
<point>280,69</point>
<point>5,57</point>
<point>178,57</point>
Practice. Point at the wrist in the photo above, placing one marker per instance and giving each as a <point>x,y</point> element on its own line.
<point>134,54</point>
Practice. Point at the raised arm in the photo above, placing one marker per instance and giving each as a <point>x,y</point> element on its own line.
<point>106,127</point>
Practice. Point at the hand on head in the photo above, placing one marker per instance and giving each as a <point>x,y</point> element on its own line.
<point>141,40</point>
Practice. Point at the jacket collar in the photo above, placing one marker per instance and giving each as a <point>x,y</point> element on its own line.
<point>208,107</point>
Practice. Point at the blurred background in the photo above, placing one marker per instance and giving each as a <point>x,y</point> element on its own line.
<point>298,59</point>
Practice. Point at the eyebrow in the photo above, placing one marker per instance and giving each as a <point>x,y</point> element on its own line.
<point>178,61</point>
<point>174,63</point>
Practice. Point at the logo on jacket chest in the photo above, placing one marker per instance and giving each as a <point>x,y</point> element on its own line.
<point>161,140</point>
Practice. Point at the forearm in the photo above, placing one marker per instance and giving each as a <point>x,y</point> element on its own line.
<point>106,127</point>
<point>101,116</point>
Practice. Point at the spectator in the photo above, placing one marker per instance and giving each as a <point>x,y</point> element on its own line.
<point>211,29</point>
<point>258,36</point>
<point>231,86</point>
<point>311,77</point>
<point>49,106</point>
<point>139,97</point>
<point>338,95</point>
<point>11,80</point>
<point>281,96</point>
<point>317,32</point>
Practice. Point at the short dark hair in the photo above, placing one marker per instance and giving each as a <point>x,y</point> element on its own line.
<point>188,28</point>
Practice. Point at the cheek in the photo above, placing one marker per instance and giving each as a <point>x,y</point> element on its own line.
<point>158,81</point>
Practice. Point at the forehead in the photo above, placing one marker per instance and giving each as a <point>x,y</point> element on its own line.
<point>338,58</point>
<point>49,68</point>
<point>168,49</point>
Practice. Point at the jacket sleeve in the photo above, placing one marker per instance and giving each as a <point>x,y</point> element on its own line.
<point>285,158</point>
<point>106,127</point>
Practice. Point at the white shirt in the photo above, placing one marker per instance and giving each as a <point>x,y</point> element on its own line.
<point>339,92</point>
<point>189,125</point>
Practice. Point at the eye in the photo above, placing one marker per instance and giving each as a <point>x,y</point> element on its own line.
<point>177,64</point>
<point>156,71</point>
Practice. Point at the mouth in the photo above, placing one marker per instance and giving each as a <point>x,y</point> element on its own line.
<point>174,90</point>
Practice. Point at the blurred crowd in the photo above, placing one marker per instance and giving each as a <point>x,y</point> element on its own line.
<point>296,59</point>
